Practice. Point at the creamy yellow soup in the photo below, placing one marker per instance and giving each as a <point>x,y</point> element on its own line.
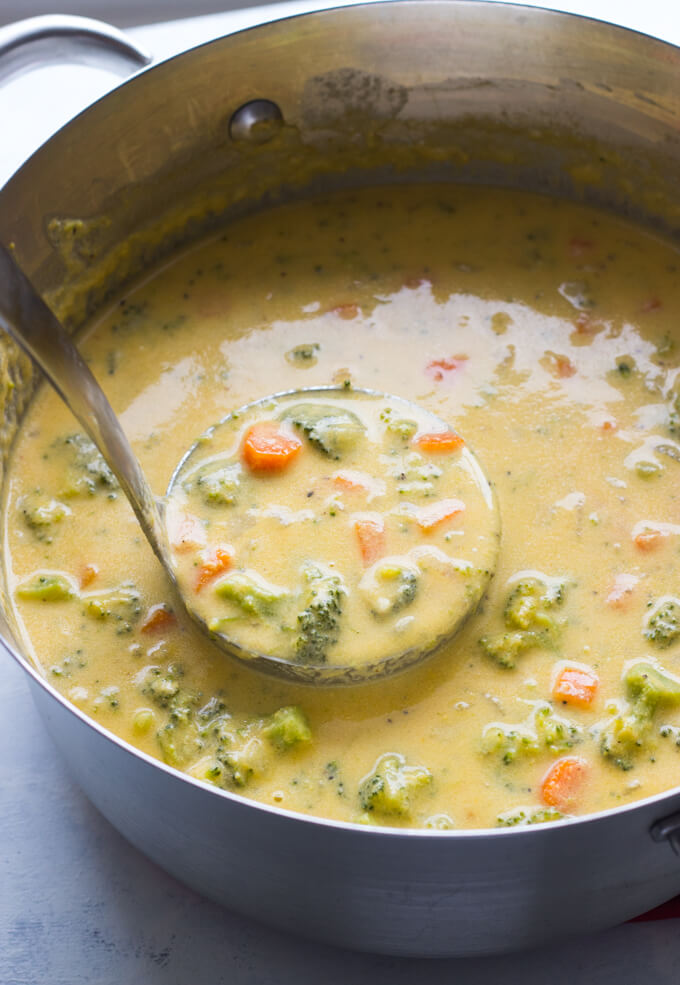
<point>543,332</point>
<point>332,530</point>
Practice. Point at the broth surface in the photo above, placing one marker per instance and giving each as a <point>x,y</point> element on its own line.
<point>543,332</point>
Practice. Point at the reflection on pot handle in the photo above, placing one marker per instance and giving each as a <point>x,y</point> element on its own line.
<point>668,829</point>
<point>39,41</point>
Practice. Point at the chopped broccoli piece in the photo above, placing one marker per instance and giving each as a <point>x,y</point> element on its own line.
<point>219,486</point>
<point>333,430</point>
<point>303,355</point>
<point>509,741</point>
<point>286,728</point>
<point>526,604</point>
<point>648,687</point>
<point>122,607</point>
<point>41,514</point>
<point>319,621</point>
<point>47,587</point>
<point>521,816</point>
<point>663,623</point>
<point>389,585</point>
<point>91,474</point>
<point>402,427</point>
<point>504,648</point>
<point>415,476</point>
<point>390,786</point>
<point>651,686</point>
<point>544,729</point>
<point>180,738</point>
<point>253,595</point>
<point>528,619</point>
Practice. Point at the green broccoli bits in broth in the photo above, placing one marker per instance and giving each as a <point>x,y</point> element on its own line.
<point>331,526</point>
<point>325,558</point>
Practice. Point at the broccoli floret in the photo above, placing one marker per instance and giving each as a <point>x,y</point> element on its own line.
<point>440,822</point>
<point>121,607</point>
<point>333,430</point>
<point>389,585</point>
<point>180,738</point>
<point>246,752</point>
<point>504,648</point>
<point>90,473</point>
<point>47,586</point>
<point>402,427</point>
<point>648,687</point>
<point>219,486</point>
<point>286,728</point>
<point>391,785</point>
<point>544,729</point>
<point>319,622</point>
<point>521,816</point>
<point>250,592</point>
<point>303,355</point>
<point>528,619</point>
<point>662,627</point>
<point>415,476</point>
<point>41,515</point>
<point>528,601</point>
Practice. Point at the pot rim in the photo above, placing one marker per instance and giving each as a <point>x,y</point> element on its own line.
<point>372,830</point>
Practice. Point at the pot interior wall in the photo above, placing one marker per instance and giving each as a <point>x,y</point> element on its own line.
<point>458,91</point>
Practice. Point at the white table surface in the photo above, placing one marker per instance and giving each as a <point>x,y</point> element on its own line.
<point>78,905</point>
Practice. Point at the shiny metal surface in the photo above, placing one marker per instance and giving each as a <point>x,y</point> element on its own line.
<point>26,317</point>
<point>455,91</point>
<point>58,37</point>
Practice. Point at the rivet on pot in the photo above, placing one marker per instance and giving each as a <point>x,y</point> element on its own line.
<point>256,121</point>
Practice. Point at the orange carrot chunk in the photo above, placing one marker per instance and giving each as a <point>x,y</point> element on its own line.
<point>88,573</point>
<point>648,540</point>
<point>218,562</point>
<point>562,784</point>
<point>267,448</point>
<point>576,686</point>
<point>371,537</point>
<point>445,369</point>
<point>158,617</point>
<point>433,515</point>
<point>351,481</point>
<point>439,442</point>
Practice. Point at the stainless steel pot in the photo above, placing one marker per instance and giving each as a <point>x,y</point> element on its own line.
<point>449,91</point>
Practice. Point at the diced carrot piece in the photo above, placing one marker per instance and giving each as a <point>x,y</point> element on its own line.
<point>371,537</point>
<point>186,532</point>
<point>579,247</point>
<point>414,282</point>
<point>268,448</point>
<point>576,686</point>
<point>433,515</point>
<point>558,365</point>
<point>219,561</point>
<point>437,442</point>
<point>346,311</point>
<point>350,481</point>
<point>158,617</point>
<point>621,590</point>
<point>88,573</point>
<point>609,424</point>
<point>445,368</point>
<point>563,782</point>
<point>648,540</point>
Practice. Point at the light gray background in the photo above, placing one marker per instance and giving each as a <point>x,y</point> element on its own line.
<point>78,905</point>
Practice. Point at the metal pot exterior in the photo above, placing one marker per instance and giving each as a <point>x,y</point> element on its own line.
<point>466,91</point>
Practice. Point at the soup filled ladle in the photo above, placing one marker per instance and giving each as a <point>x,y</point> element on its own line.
<point>329,535</point>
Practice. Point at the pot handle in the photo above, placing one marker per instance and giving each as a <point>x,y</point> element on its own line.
<point>668,829</point>
<point>38,41</point>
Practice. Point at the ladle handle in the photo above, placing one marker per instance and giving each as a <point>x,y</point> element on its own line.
<point>26,317</point>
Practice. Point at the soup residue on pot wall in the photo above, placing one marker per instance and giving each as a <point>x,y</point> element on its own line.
<point>542,331</point>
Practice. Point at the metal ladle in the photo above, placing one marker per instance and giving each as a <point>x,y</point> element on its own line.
<point>31,323</point>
